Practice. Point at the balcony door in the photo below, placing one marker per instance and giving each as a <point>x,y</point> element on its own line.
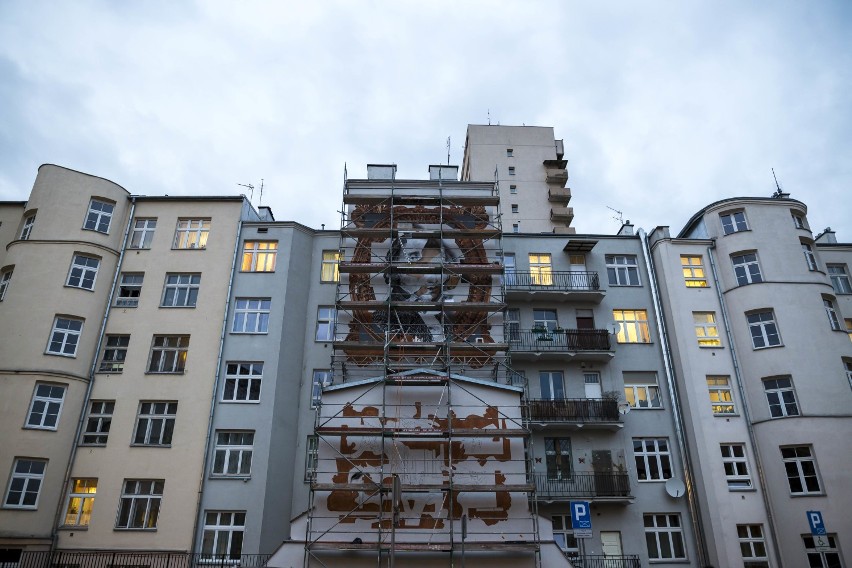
<point>611,543</point>
<point>558,454</point>
<point>592,384</point>
<point>509,268</point>
<point>541,271</point>
<point>552,385</point>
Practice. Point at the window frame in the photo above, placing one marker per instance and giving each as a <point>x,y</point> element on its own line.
<point>733,221</point>
<point>330,266</point>
<point>248,310</point>
<point>735,464</point>
<point>159,354</point>
<point>154,426</point>
<point>250,378</point>
<point>27,227</point>
<point>311,457</point>
<point>319,378</point>
<point>647,391</point>
<point>746,268</point>
<point>232,447</point>
<point>144,231</point>
<point>262,256</point>
<point>27,478</point>
<point>810,256</point>
<point>838,274</point>
<point>801,475</point>
<point>235,526</point>
<point>799,221</point>
<point>563,534</point>
<point>541,268</point>
<point>98,423</point>
<point>95,217</point>
<point>763,322</point>
<point>694,275</point>
<point>129,291</point>
<point>82,270</point>
<point>622,269</point>
<point>635,330</point>
<point>775,396</point>
<point>84,500</point>
<point>720,388</point>
<point>66,333</point>
<point>50,406</point>
<point>831,313</point>
<point>558,462</point>
<point>751,543</point>
<point>654,462</point>
<point>132,496</point>
<point>554,383</point>
<point>180,290</point>
<point>822,555</point>
<point>5,279</point>
<point>191,234</point>
<point>515,209</point>
<point>511,170</point>
<point>706,329</point>
<point>326,316</point>
<point>673,532</point>
<point>117,353</point>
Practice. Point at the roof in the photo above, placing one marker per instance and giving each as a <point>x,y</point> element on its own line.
<point>700,214</point>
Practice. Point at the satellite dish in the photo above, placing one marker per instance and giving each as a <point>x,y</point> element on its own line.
<point>623,407</point>
<point>614,328</point>
<point>675,487</point>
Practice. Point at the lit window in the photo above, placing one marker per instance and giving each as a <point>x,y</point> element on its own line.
<point>557,453</point>
<point>541,271</point>
<point>321,378</point>
<point>801,470</point>
<point>563,535</point>
<point>5,278</point>
<point>781,397</point>
<point>181,290</point>
<point>83,272</point>
<point>242,382</point>
<point>632,326</point>
<point>622,270</point>
<point>168,354</point>
<point>98,422</point>
<point>833,320</point>
<point>325,323</point>
<point>810,258</point>
<point>155,423</point>
<point>139,507</point>
<point>733,222</point>
<point>664,537</point>
<point>839,278</point>
<point>99,216</point>
<point>25,483</point>
<point>825,556</point>
<point>251,315</point>
<point>65,336</point>
<point>705,329</point>
<point>848,327</point>
<point>721,397</point>
<point>259,256</point>
<point>653,459</point>
<point>736,466</point>
<point>232,454</point>
<point>311,457</point>
<point>143,233</point>
<point>641,390</point>
<point>514,207</point>
<point>115,352</point>
<point>764,332</point>
<point>223,535</point>
<point>27,229</point>
<point>693,271</point>
<point>330,266</point>
<point>45,407</point>
<point>753,546</point>
<point>746,269</point>
<point>191,234</point>
<point>81,498</point>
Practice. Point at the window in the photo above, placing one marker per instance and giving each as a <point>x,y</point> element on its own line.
<point>746,268</point>
<point>558,455</point>
<point>809,257</point>
<point>139,507</point>
<point>541,271</point>
<point>848,365</point>
<point>514,207</point>
<point>168,354</point>
<point>513,189</point>
<point>781,397</point>
<point>330,266</point>
<point>632,326</point>
<point>764,332</point>
<point>653,459</point>
<point>78,511</point>
<point>622,270</point>
<point>693,271</point>
<point>837,272</point>
<point>544,320</point>
<point>311,457</point>
<point>721,397</point>
<point>251,315</point>
<point>321,378</point>
<point>84,270</point>
<point>129,290</point>
<point>25,483</point>
<point>824,557</point>
<point>115,352</point>
<point>325,323</point>
<point>833,320</point>
<point>65,336</point>
<point>99,216</point>
<point>798,220</point>
<point>552,385</point>
<point>155,423</point>
<point>509,269</point>
<point>242,382</point>
<point>509,152</point>
<point>511,170</point>
<point>98,422</point>
<point>181,290</point>
<point>512,324</point>
<point>733,222</point>
<point>641,390</point>
<point>848,322</point>
<point>5,278</point>
<point>752,546</point>
<point>46,406</point>
<point>664,537</point>
<point>143,233</point>
<point>706,330</point>
<point>736,466</point>
<point>516,228</point>
<point>191,233</point>
<point>259,256</point>
<point>801,470</point>
<point>27,229</point>
<point>232,454</point>
<point>563,535</point>
<point>223,535</point>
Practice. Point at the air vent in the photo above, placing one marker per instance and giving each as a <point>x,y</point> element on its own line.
<point>262,230</point>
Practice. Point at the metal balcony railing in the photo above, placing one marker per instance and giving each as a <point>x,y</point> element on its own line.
<point>604,561</point>
<point>120,558</point>
<point>556,281</point>
<point>558,339</point>
<point>573,410</point>
<point>549,486</point>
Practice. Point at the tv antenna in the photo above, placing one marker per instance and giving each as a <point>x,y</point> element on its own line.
<point>489,117</point>
<point>778,191</point>
<point>251,191</point>
<point>619,217</point>
<point>448,150</point>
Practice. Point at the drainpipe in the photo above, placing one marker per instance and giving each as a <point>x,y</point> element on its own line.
<point>83,411</point>
<point>216,374</point>
<point>677,417</point>
<point>770,519</point>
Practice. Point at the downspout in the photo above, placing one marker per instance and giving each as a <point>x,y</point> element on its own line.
<point>677,417</point>
<point>86,399</point>
<point>770,519</point>
<point>216,375</point>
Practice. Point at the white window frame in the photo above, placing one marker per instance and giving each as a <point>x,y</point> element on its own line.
<point>622,270</point>
<point>746,268</point>
<point>251,315</point>
<point>692,266</point>
<point>81,499</point>
<point>5,278</point>
<point>516,228</point>
<point>143,233</point>
<point>129,289</point>
<point>137,495</point>
<point>645,393</point>
<point>545,319</point>
<point>799,220</point>
<point>259,256</point>
<point>633,326</point>
<point>320,378</point>
<point>822,555</point>
<point>733,222</point>
<point>220,528</point>
<point>653,457</point>
<point>666,530</point>
<point>763,329</point>
<point>46,406</point>
<point>510,152</point>
<point>64,336</point>
<point>800,465</point>
<point>168,354</point>
<point>838,274</point>
<point>99,214</point>
<point>325,323</point>
<point>515,208</point>
<point>115,353</point>
<point>180,290</point>
<point>831,313</point>
<point>847,364</point>
<point>563,535</point>
<point>721,395</point>
<point>781,397</point>
<point>511,170</point>
<point>98,422</point>
<point>330,269</point>
<point>752,546</point>
<point>311,457</point>
<point>706,329</point>
<point>155,423</point>
<point>26,481</point>
<point>810,257</point>
<point>513,189</point>
<point>243,377</point>
<point>191,234</point>
<point>27,228</point>
<point>541,268</point>
<point>735,463</point>
<point>552,381</point>
<point>83,272</point>
<point>232,453</point>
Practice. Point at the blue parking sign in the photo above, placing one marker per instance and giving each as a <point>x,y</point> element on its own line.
<point>815,521</point>
<point>581,519</point>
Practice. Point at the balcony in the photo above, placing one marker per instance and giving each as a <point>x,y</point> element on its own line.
<point>604,561</point>
<point>561,195</point>
<point>592,344</point>
<point>545,285</point>
<point>582,412</point>
<point>562,214</point>
<point>591,486</point>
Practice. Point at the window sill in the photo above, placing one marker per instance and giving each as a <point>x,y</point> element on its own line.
<point>768,347</point>
<point>711,346</point>
<point>726,415</point>
<point>634,342</point>
<point>240,401</point>
<point>79,288</point>
<point>257,272</point>
<point>128,529</point>
<point>190,248</point>
<point>48,428</point>
<point>138,248</point>
<point>741,489</point>
<point>735,232</point>
<point>108,372</point>
<point>231,477</point>
<point>177,307</point>
<point>96,231</point>
<point>73,527</point>
<point>819,494</point>
<point>82,445</point>
<point>150,445</point>
<point>70,356</point>
<point>165,372</point>
<point>20,507</point>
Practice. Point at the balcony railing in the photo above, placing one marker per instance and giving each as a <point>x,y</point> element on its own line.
<point>548,486</point>
<point>558,339</point>
<point>553,281</point>
<point>573,410</point>
<point>119,558</point>
<point>604,561</point>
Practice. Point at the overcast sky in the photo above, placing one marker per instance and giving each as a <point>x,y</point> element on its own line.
<point>664,107</point>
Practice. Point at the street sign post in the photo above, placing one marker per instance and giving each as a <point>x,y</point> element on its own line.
<point>581,519</point>
<point>818,531</point>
